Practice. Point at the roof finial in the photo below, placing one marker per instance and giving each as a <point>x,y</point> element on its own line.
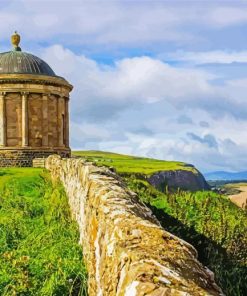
<point>15,39</point>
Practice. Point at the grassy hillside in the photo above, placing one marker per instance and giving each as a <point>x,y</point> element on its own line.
<point>209,221</point>
<point>131,164</point>
<point>39,251</point>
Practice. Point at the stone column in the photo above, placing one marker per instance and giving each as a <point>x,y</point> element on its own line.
<point>60,112</point>
<point>2,120</point>
<point>24,119</point>
<point>45,127</point>
<point>67,122</point>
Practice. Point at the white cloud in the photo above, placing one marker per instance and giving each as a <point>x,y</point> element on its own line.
<point>136,106</point>
<point>227,16</point>
<point>45,21</point>
<point>96,21</point>
<point>220,56</point>
<point>138,79</point>
<point>228,156</point>
<point>89,132</point>
<point>142,80</point>
<point>122,23</point>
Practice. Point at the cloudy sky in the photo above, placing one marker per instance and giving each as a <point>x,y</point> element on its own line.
<point>163,79</point>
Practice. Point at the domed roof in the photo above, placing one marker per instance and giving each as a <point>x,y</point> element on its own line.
<point>16,61</point>
<point>13,62</point>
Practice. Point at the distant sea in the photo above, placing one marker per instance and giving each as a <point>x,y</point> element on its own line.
<point>226,176</point>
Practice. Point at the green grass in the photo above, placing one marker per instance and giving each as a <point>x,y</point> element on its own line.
<point>210,222</point>
<point>39,251</point>
<point>131,164</point>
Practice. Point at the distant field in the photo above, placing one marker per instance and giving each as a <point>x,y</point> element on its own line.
<point>131,164</point>
<point>240,199</point>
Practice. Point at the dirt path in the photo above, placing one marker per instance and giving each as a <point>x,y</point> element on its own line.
<point>240,199</point>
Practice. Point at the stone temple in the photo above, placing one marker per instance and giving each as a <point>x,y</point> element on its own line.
<point>34,109</point>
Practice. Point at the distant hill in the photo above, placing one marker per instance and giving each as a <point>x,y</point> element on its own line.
<point>133,164</point>
<point>226,176</point>
<point>159,173</point>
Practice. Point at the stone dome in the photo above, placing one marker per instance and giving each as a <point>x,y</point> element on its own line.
<point>16,61</point>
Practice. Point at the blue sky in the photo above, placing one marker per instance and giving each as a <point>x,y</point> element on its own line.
<point>163,79</point>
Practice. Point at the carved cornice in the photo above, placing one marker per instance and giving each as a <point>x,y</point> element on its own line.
<point>35,79</point>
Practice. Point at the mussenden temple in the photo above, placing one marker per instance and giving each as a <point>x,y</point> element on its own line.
<point>34,109</point>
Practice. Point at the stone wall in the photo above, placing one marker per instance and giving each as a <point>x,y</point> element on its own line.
<point>24,158</point>
<point>126,251</point>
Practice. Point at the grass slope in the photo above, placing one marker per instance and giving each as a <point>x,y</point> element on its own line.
<point>39,251</point>
<point>210,222</point>
<point>131,164</point>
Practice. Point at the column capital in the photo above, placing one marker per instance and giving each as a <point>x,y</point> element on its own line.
<point>3,93</point>
<point>48,95</point>
<point>24,93</point>
<point>60,97</point>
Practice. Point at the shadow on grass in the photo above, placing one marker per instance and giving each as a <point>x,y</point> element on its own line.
<point>3,173</point>
<point>230,275</point>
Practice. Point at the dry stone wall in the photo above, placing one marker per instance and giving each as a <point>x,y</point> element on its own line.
<point>126,251</point>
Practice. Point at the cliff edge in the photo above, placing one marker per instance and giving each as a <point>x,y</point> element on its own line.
<point>186,180</point>
<point>159,173</point>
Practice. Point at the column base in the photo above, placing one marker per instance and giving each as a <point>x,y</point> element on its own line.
<point>24,157</point>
